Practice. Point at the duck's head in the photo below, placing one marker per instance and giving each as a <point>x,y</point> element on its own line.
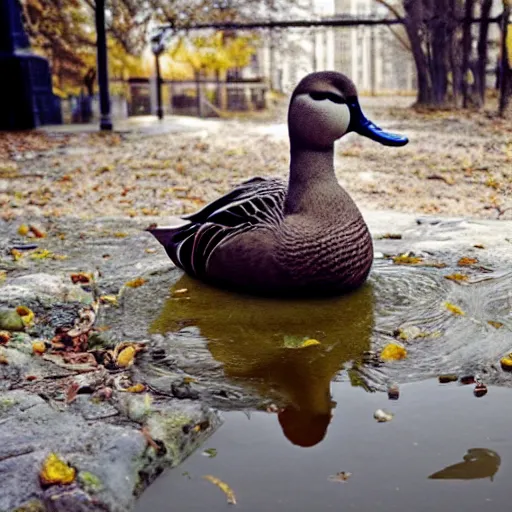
<point>324,107</point>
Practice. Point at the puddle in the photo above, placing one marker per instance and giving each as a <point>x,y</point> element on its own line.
<point>323,421</point>
<point>439,431</point>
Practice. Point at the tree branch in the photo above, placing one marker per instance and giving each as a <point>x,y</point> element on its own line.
<point>390,8</point>
<point>405,44</point>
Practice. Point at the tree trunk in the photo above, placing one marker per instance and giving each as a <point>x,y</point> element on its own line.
<point>482,48</point>
<point>413,24</point>
<point>505,70</point>
<point>466,49</point>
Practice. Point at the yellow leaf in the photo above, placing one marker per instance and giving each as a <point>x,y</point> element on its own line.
<point>3,359</point>
<point>109,299</point>
<point>405,259</point>
<point>506,363</point>
<point>16,255</point>
<point>136,388</point>
<point>41,254</point>
<point>457,277</point>
<point>135,283</point>
<point>56,471</point>
<point>38,347</point>
<point>496,325</point>
<point>309,343</point>
<point>3,275</point>
<point>27,315</point>
<point>466,262</point>
<point>224,487</point>
<point>23,230</point>
<point>454,309</point>
<point>125,357</point>
<point>393,352</point>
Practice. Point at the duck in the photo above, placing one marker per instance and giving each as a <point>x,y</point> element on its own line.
<point>303,237</point>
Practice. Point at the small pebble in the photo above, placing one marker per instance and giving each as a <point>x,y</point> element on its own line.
<point>480,390</point>
<point>444,379</point>
<point>393,392</point>
<point>382,416</point>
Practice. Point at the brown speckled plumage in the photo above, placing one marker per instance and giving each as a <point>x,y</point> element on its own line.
<point>304,237</point>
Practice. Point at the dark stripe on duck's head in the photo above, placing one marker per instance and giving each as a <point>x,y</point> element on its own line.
<point>338,89</point>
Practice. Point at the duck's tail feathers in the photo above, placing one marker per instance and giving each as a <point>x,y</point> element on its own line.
<point>166,234</point>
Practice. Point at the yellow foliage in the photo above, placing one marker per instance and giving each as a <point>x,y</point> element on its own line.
<point>136,388</point>
<point>38,347</point>
<point>393,352</point>
<point>125,357</point>
<point>56,471</point>
<point>224,487</point>
<point>454,309</point>
<point>457,277</point>
<point>27,315</point>
<point>135,283</point>
<point>309,343</point>
<point>405,259</point>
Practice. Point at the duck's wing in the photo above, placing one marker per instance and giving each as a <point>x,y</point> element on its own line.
<point>256,202</point>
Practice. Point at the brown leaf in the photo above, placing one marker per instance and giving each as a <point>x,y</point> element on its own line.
<point>466,261</point>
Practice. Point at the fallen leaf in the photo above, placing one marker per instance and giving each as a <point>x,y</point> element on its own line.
<point>506,363</point>
<point>454,309</point>
<point>181,291</point>
<point>457,277</point>
<point>342,477</point>
<point>466,261</point>
<point>405,259</point>
<point>38,347</point>
<point>224,487</point>
<point>125,357</point>
<point>5,336</point>
<point>479,246</point>
<point>81,277</point>
<point>136,388</point>
<point>26,314</point>
<point>299,342</point>
<point>72,392</point>
<point>16,255</point>
<point>37,232</point>
<point>3,275</point>
<point>496,325</point>
<point>135,283</point>
<point>56,471</point>
<point>150,250</point>
<point>309,343</point>
<point>23,230</point>
<point>109,299</point>
<point>210,453</point>
<point>393,352</point>
<point>3,359</point>
<point>391,236</point>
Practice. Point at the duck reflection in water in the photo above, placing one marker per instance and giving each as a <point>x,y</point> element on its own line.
<point>249,336</point>
<point>477,463</point>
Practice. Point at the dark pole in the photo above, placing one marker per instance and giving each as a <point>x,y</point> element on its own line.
<point>101,46</point>
<point>159,109</point>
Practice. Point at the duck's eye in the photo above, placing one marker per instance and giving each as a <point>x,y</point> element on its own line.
<point>319,96</point>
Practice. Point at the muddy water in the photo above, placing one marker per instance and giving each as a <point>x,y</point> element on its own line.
<point>444,449</point>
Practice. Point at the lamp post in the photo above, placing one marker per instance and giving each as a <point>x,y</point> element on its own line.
<point>101,47</point>
<point>157,47</point>
<point>159,109</point>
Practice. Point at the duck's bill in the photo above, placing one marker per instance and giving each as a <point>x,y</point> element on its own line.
<point>360,124</point>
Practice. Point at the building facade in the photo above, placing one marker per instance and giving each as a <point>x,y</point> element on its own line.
<point>372,56</point>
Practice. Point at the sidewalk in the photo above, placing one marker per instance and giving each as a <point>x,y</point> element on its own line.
<point>145,125</point>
